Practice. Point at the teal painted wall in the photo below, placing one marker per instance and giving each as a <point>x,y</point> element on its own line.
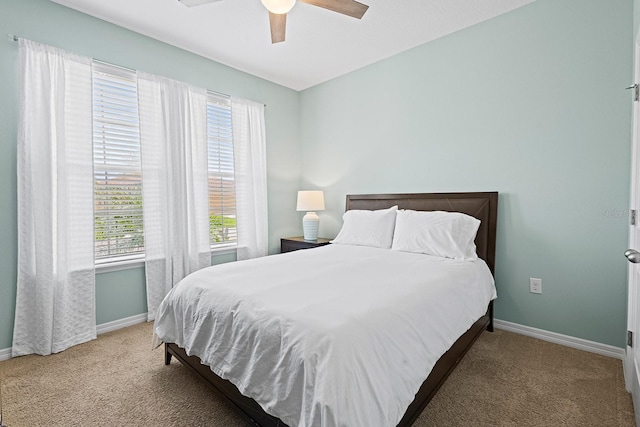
<point>122,294</point>
<point>531,104</point>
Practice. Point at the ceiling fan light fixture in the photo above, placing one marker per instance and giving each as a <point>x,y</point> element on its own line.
<point>279,7</point>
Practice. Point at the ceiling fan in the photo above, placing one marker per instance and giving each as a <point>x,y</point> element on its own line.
<point>278,10</point>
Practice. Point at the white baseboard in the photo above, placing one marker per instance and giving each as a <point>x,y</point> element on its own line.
<point>121,323</point>
<point>5,354</point>
<point>566,340</point>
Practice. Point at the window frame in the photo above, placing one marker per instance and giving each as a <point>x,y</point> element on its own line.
<point>115,135</point>
<point>137,259</point>
<point>214,98</point>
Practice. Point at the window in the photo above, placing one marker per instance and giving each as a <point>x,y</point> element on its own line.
<point>119,233</point>
<point>222,195</point>
<point>117,169</point>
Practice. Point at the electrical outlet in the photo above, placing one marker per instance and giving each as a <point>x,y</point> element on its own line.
<point>535,285</point>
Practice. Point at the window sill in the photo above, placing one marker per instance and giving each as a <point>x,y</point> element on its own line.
<point>224,249</point>
<point>117,264</point>
<point>127,263</point>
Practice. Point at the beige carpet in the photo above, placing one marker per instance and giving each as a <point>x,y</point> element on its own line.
<point>116,380</point>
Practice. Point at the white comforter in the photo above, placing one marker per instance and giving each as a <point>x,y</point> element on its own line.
<point>333,336</point>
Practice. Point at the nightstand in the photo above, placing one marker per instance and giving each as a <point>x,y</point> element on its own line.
<point>289,244</point>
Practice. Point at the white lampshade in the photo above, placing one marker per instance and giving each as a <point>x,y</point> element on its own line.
<point>310,201</point>
<point>278,6</point>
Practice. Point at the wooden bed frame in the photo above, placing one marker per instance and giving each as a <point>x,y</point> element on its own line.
<point>482,205</point>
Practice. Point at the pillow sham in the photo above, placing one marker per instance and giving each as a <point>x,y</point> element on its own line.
<point>367,228</point>
<point>439,233</point>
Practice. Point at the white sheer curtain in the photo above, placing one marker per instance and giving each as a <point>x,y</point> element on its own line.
<point>55,307</point>
<point>173,139</point>
<point>250,157</point>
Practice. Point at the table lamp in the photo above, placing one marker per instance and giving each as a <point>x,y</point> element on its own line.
<point>310,201</point>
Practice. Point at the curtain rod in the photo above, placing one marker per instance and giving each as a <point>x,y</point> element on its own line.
<point>15,38</point>
<point>113,65</point>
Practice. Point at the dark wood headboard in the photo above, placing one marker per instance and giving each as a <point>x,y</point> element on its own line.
<point>481,205</point>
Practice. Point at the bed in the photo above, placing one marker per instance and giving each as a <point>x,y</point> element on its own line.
<point>480,205</point>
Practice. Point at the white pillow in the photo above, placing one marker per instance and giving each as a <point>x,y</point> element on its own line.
<point>443,234</point>
<point>367,228</point>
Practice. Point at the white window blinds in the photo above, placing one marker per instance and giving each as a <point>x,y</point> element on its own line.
<point>117,170</point>
<point>222,197</point>
<point>117,166</point>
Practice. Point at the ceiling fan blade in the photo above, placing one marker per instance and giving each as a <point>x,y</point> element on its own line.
<point>345,7</point>
<point>191,3</point>
<point>278,24</point>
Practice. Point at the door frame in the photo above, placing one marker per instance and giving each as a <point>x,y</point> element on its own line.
<point>631,365</point>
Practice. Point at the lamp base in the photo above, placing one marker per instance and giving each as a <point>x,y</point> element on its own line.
<point>310,224</point>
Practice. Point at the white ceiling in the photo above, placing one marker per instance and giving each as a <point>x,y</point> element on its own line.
<point>320,44</point>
